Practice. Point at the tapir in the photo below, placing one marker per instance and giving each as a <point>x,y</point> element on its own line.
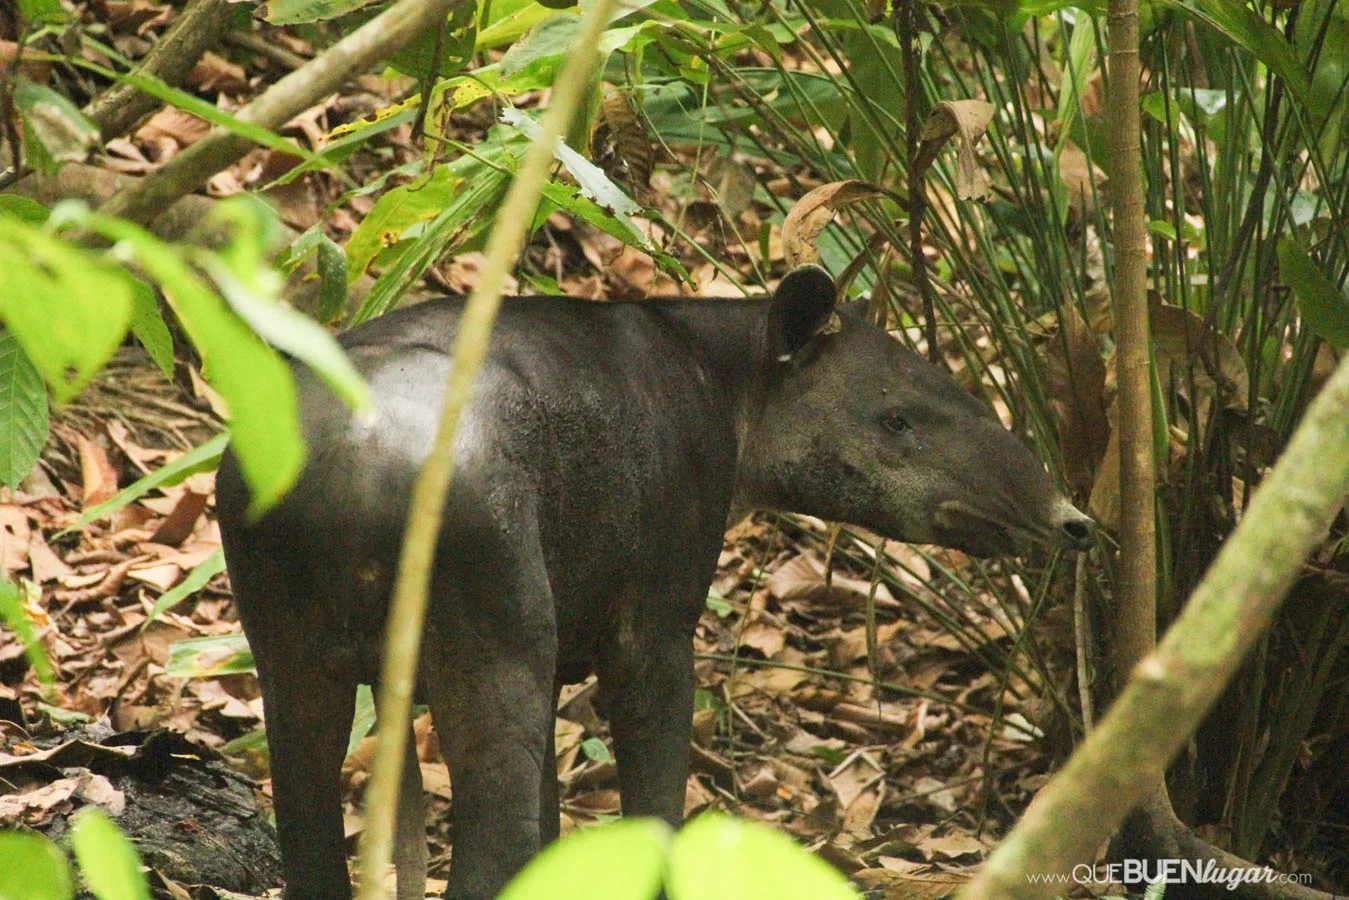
<point>603,451</point>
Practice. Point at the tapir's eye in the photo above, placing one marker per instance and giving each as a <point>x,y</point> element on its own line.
<point>894,422</point>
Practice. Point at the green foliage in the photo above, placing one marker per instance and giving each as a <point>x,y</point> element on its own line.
<point>1324,306</point>
<point>194,581</point>
<point>15,618</point>
<point>23,412</point>
<point>67,308</point>
<point>714,856</point>
<point>108,861</point>
<point>33,868</point>
<point>207,657</point>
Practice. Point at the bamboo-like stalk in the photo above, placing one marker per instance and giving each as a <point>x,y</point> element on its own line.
<point>1171,689</point>
<point>403,639</point>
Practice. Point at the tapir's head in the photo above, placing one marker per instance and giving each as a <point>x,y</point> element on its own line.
<point>855,427</point>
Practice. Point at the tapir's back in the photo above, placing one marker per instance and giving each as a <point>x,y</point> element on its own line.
<point>599,421</point>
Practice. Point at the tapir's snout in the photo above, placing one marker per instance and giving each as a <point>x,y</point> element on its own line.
<point>1072,527</point>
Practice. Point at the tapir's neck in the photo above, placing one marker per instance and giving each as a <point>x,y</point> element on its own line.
<point>731,339</point>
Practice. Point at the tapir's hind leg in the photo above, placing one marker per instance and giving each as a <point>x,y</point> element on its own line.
<point>308,699</point>
<point>488,664</point>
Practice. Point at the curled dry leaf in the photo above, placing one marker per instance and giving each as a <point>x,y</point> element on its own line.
<point>1196,350</point>
<point>1077,390</point>
<point>814,211</point>
<point>967,119</point>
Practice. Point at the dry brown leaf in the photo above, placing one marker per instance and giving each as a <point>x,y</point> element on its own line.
<point>967,119</point>
<point>14,538</point>
<point>46,565</point>
<point>96,472</point>
<point>1077,391</point>
<point>903,880</point>
<point>951,846</point>
<point>809,216</point>
<point>1187,343</point>
<point>177,527</point>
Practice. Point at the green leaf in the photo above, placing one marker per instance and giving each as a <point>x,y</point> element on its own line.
<point>23,209</point>
<point>47,12</point>
<point>397,211</point>
<point>108,861</point>
<point>32,867</point>
<point>257,385</point>
<point>296,12</point>
<point>207,657</point>
<point>720,856</point>
<point>622,860</point>
<point>292,332</point>
<point>1244,26</point>
<point>594,183</point>
<point>1323,306</point>
<point>364,717</point>
<point>23,412</point>
<point>596,750</point>
<point>149,328</point>
<point>332,268</point>
<point>54,122</point>
<point>202,458</point>
<point>16,620</point>
<point>201,573</point>
<point>66,307</point>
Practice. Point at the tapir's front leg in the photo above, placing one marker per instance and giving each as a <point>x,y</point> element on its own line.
<point>647,683</point>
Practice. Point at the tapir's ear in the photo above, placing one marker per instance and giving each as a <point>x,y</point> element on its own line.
<point>803,307</point>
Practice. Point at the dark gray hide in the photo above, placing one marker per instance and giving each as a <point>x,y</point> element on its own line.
<point>604,448</point>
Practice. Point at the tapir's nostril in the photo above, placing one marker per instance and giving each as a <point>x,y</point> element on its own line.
<point>1079,531</point>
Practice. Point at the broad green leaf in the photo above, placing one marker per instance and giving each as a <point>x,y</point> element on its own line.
<point>296,12</point>
<point>25,210</point>
<point>149,328</point>
<point>596,750</point>
<point>417,58</point>
<point>396,211</point>
<point>249,375</point>
<point>15,618</point>
<point>364,717</point>
<point>32,867</point>
<point>1245,27</point>
<point>202,458</point>
<point>484,178</point>
<point>201,573</point>
<point>54,122</point>
<point>332,270</point>
<point>66,307</point>
<point>207,657</point>
<point>1322,305</point>
<point>108,861</point>
<point>23,412</point>
<point>622,860</point>
<point>292,332</point>
<point>47,12</point>
<point>720,856</point>
<point>594,183</point>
